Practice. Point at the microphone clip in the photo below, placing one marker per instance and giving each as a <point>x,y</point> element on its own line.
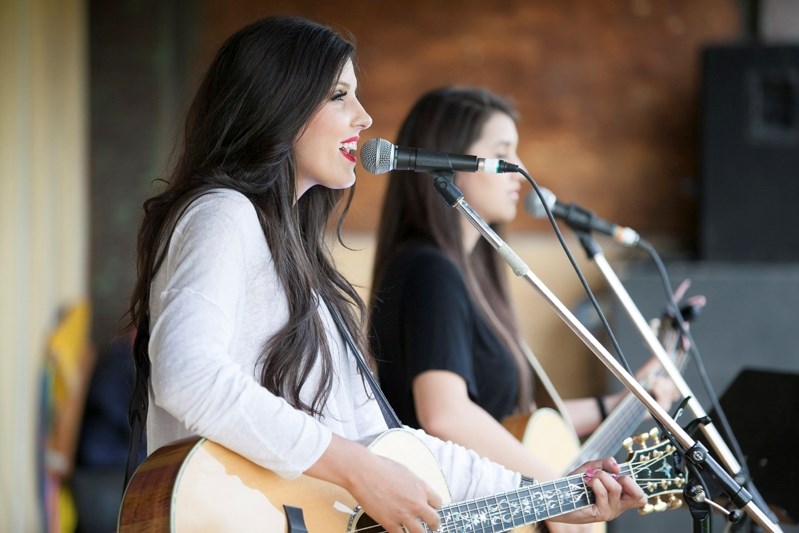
<point>444,182</point>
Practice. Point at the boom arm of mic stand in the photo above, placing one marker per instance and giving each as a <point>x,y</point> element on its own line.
<point>594,252</point>
<point>695,452</point>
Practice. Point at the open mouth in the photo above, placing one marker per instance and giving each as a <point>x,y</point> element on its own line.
<point>349,149</point>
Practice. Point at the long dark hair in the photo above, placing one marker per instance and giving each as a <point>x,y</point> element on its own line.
<point>449,119</point>
<point>263,87</point>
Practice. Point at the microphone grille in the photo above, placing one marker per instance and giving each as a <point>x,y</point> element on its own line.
<point>377,156</point>
<point>533,205</point>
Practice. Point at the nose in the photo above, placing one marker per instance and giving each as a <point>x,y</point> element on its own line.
<point>361,120</point>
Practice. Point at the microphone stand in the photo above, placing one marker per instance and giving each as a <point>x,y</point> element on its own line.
<point>594,253</point>
<point>694,451</point>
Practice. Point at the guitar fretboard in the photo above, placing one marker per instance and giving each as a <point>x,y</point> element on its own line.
<point>525,505</point>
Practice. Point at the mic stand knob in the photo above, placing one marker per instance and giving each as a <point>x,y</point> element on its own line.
<point>699,505</point>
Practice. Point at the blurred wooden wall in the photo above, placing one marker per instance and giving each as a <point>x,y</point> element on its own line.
<point>607,89</point>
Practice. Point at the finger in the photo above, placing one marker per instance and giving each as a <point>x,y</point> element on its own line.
<point>609,464</point>
<point>434,499</point>
<point>601,510</point>
<point>415,526</point>
<point>612,487</point>
<point>607,494</point>
<point>632,495</point>
<point>430,517</point>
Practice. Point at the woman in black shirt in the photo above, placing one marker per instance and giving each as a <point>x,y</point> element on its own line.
<point>451,359</point>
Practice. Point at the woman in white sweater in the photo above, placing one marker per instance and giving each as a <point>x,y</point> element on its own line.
<point>236,293</point>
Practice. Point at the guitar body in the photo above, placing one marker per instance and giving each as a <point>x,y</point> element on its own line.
<point>547,435</point>
<point>198,485</point>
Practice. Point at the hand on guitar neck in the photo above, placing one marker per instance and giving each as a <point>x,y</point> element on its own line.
<point>652,378</point>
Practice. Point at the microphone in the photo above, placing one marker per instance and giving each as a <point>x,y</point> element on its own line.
<point>578,218</point>
<point>379,156</point>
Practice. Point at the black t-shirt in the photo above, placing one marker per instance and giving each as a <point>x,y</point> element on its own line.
<point>425,320</point>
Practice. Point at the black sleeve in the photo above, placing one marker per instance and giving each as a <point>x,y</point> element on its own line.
<point>436,319</point>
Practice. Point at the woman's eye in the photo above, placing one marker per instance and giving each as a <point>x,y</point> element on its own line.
<point>339,95</point>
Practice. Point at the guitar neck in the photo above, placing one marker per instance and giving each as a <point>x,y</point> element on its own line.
<point>604,441</point>
<point>526,505</point>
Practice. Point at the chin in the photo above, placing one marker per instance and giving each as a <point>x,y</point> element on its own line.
<point>342,183</point>
<point>347,184</point>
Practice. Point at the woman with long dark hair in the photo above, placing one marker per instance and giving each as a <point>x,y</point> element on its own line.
<point>451,359</point>
<point>240,313</point>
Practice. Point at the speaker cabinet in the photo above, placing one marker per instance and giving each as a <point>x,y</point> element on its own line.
<point>750,153</point>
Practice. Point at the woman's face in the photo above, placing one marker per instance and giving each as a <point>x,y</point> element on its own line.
<point>494,196</point>
<point>326,148</point>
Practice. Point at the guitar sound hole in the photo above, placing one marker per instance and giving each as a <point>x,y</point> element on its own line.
<point>363,522</point>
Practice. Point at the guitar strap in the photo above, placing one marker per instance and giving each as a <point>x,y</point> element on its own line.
<point>391,418</point>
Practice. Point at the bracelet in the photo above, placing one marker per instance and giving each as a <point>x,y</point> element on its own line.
<point>600,403</point>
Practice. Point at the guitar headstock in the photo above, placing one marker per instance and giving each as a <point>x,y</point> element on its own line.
<point>656,468</point>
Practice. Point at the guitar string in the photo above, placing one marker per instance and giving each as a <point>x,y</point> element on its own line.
<point>634,468</point>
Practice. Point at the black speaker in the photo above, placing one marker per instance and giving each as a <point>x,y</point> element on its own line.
<point>749,207</point>
<point>761,405</point>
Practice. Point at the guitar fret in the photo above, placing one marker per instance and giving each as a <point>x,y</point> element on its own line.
<point>535,504</point>
<point>482,517</point>
<point>558,495</point>
<point>496,516</point>
<point>468,519</point>
<point>587,494</point>
<point>516,513</point>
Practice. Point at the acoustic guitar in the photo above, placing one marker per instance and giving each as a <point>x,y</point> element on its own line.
<point>198,485</point>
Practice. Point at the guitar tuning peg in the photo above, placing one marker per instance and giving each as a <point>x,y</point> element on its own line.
<point>654,433</point>
<point>628,444</point>
<point>647,508</point>
<point>674,502</point>
<point>660,505</point>
<point>641,439</point>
